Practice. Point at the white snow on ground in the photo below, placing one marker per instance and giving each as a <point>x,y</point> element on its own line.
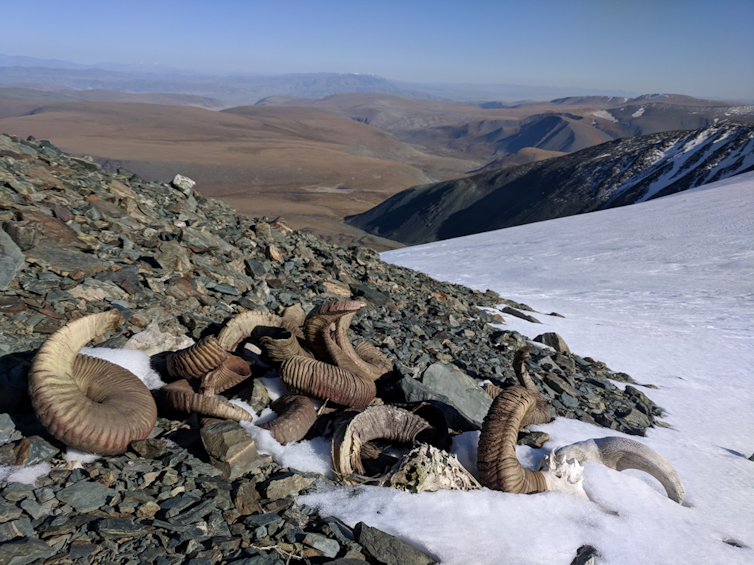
<point>605,115</point>
<point>135,361</point>
<point>639,113</point>
<point>663,290</point>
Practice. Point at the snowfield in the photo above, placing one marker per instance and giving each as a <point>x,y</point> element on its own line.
<point>663,290</point>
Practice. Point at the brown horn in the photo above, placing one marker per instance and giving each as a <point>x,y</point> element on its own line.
<point>197,360</point>
<point>326,332</point>
<point>497,464</point>
<point>326,382</point>
<point>88,403</point>
<point>296,415</point>
<point>181,396</point>
<point>541,413</point>
<point>283,346</point>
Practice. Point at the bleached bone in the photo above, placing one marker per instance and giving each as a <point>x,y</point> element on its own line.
<point>622,453</point>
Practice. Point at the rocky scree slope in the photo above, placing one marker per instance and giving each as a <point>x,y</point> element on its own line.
<point>616,173</point>
<point>77,240</point>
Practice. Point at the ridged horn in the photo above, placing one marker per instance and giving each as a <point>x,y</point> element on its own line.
<point>88,403</point>
<point>374,357</point>
<point>283,346</point>
<point>323,381</point>
<point>622,453</point>
<point>230,372</point>
<point>195,361</point>
<point>326,333</point>
<point>492,390</point>
<point>242,326</point>
<point>296,415</point>
<point>497,464</point>
<point>181,396</point>
<point>541,413</point>
<point>386,422</point>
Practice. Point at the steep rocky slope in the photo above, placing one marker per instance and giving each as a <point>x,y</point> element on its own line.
<point>616,173</point>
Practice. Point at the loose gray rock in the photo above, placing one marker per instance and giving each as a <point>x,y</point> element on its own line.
<point>388,550</point>
<point>33,450</point>
<point>16,529</point>
<point>184,184</point>
<point>230,448</point>
<point>115,528</point>
<point>328,547</point>
<point>12,260</point>
<point>463,392</point>
<point>519,314</point>
<point>554,340</point>
<point>586,555</point>
<point>85,496</point>
<point>7,427</point>
<point>24,551</point>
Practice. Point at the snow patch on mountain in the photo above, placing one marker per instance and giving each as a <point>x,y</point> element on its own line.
<point>605,115</point>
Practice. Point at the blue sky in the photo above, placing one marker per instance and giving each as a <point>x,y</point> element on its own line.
<point>701,48</point>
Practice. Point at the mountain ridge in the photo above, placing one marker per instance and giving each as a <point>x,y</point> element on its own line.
<point>612,174</point>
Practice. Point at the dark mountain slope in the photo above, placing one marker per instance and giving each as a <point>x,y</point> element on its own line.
<point>611,174</point>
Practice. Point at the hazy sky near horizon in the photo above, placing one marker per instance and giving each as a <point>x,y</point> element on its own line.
<point>695,47</point>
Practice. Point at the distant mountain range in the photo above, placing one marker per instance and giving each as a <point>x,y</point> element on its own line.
<point>235,88</point>
<point>617,173</point>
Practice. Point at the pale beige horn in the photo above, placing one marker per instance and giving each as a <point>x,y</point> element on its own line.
<point>386,422</point>
<point>623,453</point>
<point>88,403</point>
<point>252,322</point>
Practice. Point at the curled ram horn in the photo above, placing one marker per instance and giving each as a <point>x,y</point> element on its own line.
<point>623,453</point>
<point>195,361</point>
<point>385,422</point>
<point>88,403</point>
<point>181,396</point>
<point>326,333</point>
<point>207,361</point>
<point>246,324</point>
<point>296,415</point>
<point>497,464</point>
<point>283,345</point>
<point>323,381</point>
<point>541,413</point>
<point>499,468</point>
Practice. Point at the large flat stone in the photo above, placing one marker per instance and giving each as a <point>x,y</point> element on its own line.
<point>388,550</point>
<point>65,261</point>
<point>463,391</point>
<point>85,496</point>
<point>24,551</point>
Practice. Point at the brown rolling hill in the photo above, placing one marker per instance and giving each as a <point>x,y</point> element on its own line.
<point>493,131</point>
<point>308,164</point>
<point>19,100</point>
